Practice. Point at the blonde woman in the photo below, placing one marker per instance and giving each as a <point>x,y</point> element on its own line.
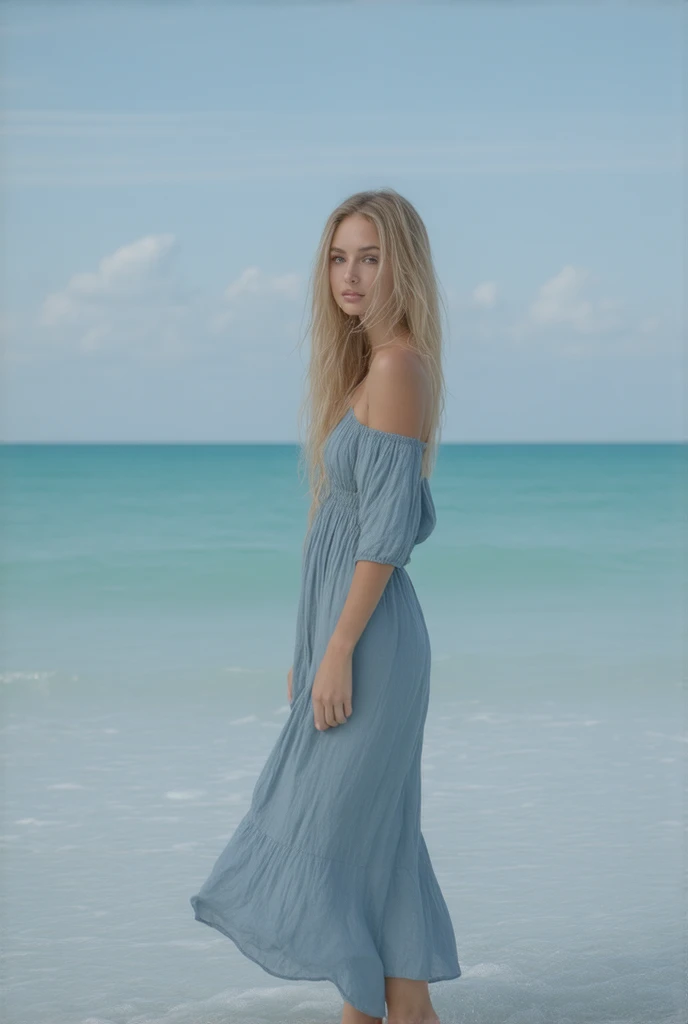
<point>328,877</point>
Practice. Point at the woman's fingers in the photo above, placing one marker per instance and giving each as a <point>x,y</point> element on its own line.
<point>319,714</point>
<point>339,713</point>
<point>326,716</point>
<point>330,714</point>
<point>322,714</point>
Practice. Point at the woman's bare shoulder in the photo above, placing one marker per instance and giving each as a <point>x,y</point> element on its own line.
<point>397,392</point>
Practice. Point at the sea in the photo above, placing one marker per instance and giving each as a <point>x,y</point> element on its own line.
<point>148,603</point>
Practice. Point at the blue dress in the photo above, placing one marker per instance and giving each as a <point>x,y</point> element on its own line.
<point>327,877</point>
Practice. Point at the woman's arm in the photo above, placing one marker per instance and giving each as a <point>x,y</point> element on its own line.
<point>396,404</point>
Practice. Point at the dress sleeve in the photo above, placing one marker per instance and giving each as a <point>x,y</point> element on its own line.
<point>388,479</point>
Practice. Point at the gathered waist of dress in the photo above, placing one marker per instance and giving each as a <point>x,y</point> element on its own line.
<point>343,496</point>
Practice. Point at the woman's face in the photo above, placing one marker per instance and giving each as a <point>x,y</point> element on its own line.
<point>354,265</point>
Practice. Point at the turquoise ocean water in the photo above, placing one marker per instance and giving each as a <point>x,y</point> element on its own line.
<point>148,606</point>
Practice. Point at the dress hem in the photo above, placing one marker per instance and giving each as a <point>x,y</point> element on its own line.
<point>212,923</point>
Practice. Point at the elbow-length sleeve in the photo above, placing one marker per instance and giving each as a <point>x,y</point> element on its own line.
<point>388,480</point>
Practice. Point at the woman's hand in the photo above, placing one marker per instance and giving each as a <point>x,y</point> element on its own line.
<point>290,674</point>
<point>332,689</point>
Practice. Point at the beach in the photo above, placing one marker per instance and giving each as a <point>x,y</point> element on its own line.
<point>148,614</point>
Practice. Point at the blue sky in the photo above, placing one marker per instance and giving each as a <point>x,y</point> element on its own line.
<point>168,169</point>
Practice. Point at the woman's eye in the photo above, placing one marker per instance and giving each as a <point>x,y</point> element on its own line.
<point>334,258</point>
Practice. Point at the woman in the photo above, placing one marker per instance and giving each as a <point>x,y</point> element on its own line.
<point>327,877</point>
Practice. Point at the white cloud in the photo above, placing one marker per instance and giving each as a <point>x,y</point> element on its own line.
<point>567,314</point>
<point>127,274</point>
<point>252,281</point>
<point>253,284</point>
<point>131,301</point>
<point>287,285</point>
<point>561,301</point>
<point>485,294</point>
<point>248,282</point>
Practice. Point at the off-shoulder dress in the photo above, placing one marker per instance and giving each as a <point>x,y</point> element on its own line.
<point>327,876</point>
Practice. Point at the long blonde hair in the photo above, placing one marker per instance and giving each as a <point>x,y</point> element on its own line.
<point>340,351</point>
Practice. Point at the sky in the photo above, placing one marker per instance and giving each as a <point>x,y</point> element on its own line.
<point>168,169</point>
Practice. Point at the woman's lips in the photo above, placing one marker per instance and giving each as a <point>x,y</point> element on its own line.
<point>351,296</point>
